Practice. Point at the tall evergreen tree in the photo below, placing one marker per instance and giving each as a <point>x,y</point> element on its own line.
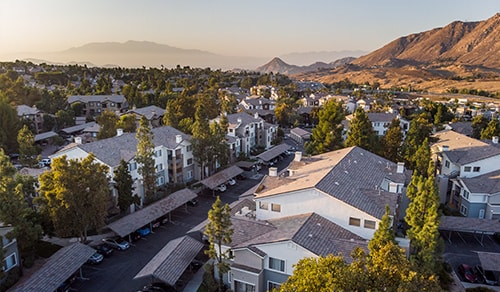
<point>9,126</point>
<point>144,157</point>
<point>75,195</point>
<point>127,123</point>
<point>361,132</point>
<point>107,121</point>
<point>219,230</point>
<point>124,186</point>
<point>201,140</point>
<point>419,130</point>
<point>327,135</point>
<point>422,158</point>
<point>493,129</point>
<point>392,141</point>
<point>28,151</point>
<point>479,122</point>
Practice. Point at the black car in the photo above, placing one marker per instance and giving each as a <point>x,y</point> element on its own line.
<point>104,249</point>
<point>159,286</point>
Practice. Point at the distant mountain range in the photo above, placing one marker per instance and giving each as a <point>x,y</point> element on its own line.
<point>306,58</point>
<point>277,65</point>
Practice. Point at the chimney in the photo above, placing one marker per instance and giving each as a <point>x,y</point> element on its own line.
<point>256,116</point>
<point>298,156</point>
<point>401,167</point>
<point>273,171</point>
<point>119,132</point>
<point>178,139</point>
<point>239,120</point>
<point>494,139</point>
<point>78,140</point>
<point>445,148</point>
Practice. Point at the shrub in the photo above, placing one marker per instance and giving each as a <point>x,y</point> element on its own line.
<point>10,279</point>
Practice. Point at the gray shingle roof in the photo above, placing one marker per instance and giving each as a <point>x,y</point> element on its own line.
<point>110,151</point>
<point>245,118</point>
<point>58,268</point>
<point>46,135</point>
<point>221,177</point>
<point>24,110</point>
<point>472,225</point>
<point>73,129</point>
<point>270,154</point>
<point>381,117</point>
<point>96,98</point>
<point>150,112</point>
<point>488,183</point>
<point>490,261</point>
<point>136,220</point>
<point>171,261</point>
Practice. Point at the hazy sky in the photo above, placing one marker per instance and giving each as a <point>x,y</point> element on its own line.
<point>230,27</point>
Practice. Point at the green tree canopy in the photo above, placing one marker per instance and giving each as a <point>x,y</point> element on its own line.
<point>127,123</point>
<point>392,141</point>
<point>9,126</point>
<point>75,195</point>
<point>124,186</point>
<point>420,129</point>
<point>327,135</point>
<point>145,158</point>
<point>107,121</point>
<point>28,151</point>
<point>361,132</point>
<point>479,122</point>
<point>493,129</point>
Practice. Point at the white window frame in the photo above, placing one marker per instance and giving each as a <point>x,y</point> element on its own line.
<point>4,266</point>
<point>278,207</point>
<point>463,210</point>
<point>263,205</point>
<point>354,219</point>
<point>275,285</point>
<point>282,264</point>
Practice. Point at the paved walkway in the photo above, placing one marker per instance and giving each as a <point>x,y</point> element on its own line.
<point>197,279</point>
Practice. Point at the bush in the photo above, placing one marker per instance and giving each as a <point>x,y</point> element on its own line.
<point>208,278</point>
<point>10,279</point>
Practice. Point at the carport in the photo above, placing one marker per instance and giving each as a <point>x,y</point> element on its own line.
<point>221,177</point>
<point>46,135</point>
<point>274,152</point>
<point>170,262</point>
<point>60,267</point>
<point>489,260</point>
<point>478,227</point>
<point>130,223</point>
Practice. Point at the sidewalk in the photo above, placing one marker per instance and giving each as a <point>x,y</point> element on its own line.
<point>195,282</point>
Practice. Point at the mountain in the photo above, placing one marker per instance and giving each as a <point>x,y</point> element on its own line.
<point>277,65</point>
<point>305,58</point>
<point>459,55</point>
<point>470,43</point>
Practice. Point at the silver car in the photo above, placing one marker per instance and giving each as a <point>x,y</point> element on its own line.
<point>117,243</point>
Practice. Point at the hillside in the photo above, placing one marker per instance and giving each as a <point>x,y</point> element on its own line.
<point>460,55</point>
<point>277,65</point>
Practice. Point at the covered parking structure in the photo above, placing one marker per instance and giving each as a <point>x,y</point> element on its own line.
<point>171,261</point>
<point>274,152</point>
<point>130,223</point>
<point>490,261</point>
<point>475,226</point>
<point>215,180</point>
<point>60,267</point>
<point>45,136</point>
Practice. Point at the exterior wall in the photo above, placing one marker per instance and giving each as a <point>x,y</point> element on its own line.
<point>245,277</point>
<point>10,250</point>
<point>288,251</point>
<point>448,170</point>
<point>312,200</point>
<point>473,209</point>
<point>247,258</point>
<point>486,166</point>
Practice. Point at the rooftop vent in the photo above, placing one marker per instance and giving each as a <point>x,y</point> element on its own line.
<point>273,171</point>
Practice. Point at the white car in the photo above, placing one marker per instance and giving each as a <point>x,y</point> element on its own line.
<point>222,188</point>
<point>231,182</point>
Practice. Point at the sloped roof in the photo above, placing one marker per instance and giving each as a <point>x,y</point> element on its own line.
<point>150,112</point>
<point>352,175</point>
<point>300,132</point>
<point>272,153</point>
<point>490,261</point>
<point>462,149</point>
<point>466,224</point>
<point>73,129</point>
<point>24,110</point>
<point>136,220</point>
<point>111,150</point>
<point>171,261</point>
<point>46,135</point>
<point>58,268</point>
<point>381,117</point>
<point>96,98</point>
<point>221,177</point>
<point>488,183</point>
<point>245,118</point>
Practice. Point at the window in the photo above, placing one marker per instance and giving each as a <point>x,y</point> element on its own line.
<point>6,241</point>
<point>447,164</point>
<point>276,264</point>
<point>263,205</point>
<point>466,194</point>
<point>159,167</point>
<point>243,287</point>
<point>276,207</point>
<point>272,285</point>
<point>467,169</point>
<point>370,224</point>
<point>189,174</point>
<point>354,221</point>
<point>160,180</point>
<point>190,161</point>
<point>188,148</point>
<point>158,153</point>
<point>9,262</point>
<point>476,169</point>
<point>132,166</point>
<point>463,210</point>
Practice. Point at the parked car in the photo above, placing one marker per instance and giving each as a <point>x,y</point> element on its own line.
<point>95,259</point>
<point>222,188</point>
<point>104,249</point>
<point>144,231</point>
<point>231,182</point>
<point>117,243</point>
<point>192,202</point>
<point>159,286</point>
<point>487,275</point>
<point>467,273</point>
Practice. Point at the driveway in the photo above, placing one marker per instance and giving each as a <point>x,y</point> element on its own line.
<point>116,273</point>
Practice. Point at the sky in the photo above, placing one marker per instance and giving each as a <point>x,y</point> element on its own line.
<point>256,28</point>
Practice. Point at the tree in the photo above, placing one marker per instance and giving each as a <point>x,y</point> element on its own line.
<point>28,152</point>
<point>327,135</point>
<point>493,129</point>
<point>479,122</point>
<point>392,141</point>
<point>107,121</point>
<point>9,126</point>
<point>65,118</point>
<point>75,195</point>
<point>219,230</point>
<point>423,219</point>
<point>318,274</point>
<point>361,132</point>
<point>15,211</point>
<point>422,158</point>
<point>127,123</point>
<point>144,157</point>
<point>124,186</point>
<point>419,130</point>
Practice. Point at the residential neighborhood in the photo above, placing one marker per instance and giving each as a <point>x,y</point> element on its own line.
<point>121,182</point>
